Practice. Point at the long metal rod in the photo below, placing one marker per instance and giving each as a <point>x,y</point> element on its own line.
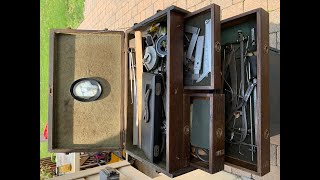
<point>250,109</point>
<point>206,65</point>
<point>131,77</point>
<point>233,75</point>
<point>243,143</point>
<point>195,33</point>
<point>244,118</point>
<point>251,134</point>
<point>198,57</point>
<point>254,101</point>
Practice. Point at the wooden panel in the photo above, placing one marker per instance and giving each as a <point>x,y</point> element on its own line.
<point>176,155</point>
<point>213,11</point>
<point>262,135</point>
<point>157,16</point>
<point>126,116</point>
<point>69,51</point>
<point>139,71</point>
<point>139,155</point>
<point>176,159</point>
<point>145,169</point>
<point>186,127</point>
<point>75,162</point>
<point>47,162</point>
<point>216,153</point>
<point>128,107</point>
<point>240,164</point>
<point>216,130</point>
<point>83,159</point>
<point>216,81</point>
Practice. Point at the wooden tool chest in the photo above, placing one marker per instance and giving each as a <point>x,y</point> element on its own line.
<point>111,119</point>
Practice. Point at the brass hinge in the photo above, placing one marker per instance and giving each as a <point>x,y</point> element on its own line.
<point>217,46</point>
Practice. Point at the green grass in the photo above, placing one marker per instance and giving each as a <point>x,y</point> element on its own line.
<point>54,14</point>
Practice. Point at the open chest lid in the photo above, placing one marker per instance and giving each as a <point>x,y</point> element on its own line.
<point>82,59</point>
<point>86,114</point>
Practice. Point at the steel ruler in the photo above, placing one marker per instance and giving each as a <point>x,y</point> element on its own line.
<point>207,51</point>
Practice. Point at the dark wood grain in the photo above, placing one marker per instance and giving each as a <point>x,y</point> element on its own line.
<point>186,128</point>
<point>240,164</point>
<point>144,160</point>
<point>214,11</point>
<point>158,167</point>
<point>205,9</point>
<point>262,114</point>
<point>243,17</point>
<point>216,152</point>
<point>216,81</point>
<point>189,91</point>
<point>200,165</point>
<point>47,162</point>
<point>177,143</point>
<point>128,107</point>
<point>176,156</point>
<point>263,161</point>
<point>163,13</point>
<point>216,142</point>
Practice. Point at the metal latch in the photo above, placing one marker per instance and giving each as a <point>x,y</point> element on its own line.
<point>50,90</point>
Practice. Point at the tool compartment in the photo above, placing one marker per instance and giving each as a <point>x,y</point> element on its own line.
<point>115,120</point>
<point>247,104</point>
<point>208,70</point>
<point>203,101</point>
<point>205,115</point>
<point>175,159</point>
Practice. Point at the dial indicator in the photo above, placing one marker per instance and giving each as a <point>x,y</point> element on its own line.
<point>86,89</point>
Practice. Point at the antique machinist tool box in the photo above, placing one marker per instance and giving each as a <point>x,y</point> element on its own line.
<point>160,91</point>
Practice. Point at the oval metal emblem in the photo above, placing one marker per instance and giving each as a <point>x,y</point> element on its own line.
<point>266,134</point>
<point>217,46</point>
<point>186,130</point>
<point>266,49</point>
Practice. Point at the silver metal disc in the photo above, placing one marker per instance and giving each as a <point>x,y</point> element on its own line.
<point>150,58</point>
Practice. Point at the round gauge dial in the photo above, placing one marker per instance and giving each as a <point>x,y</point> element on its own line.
<point>86,89</point>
